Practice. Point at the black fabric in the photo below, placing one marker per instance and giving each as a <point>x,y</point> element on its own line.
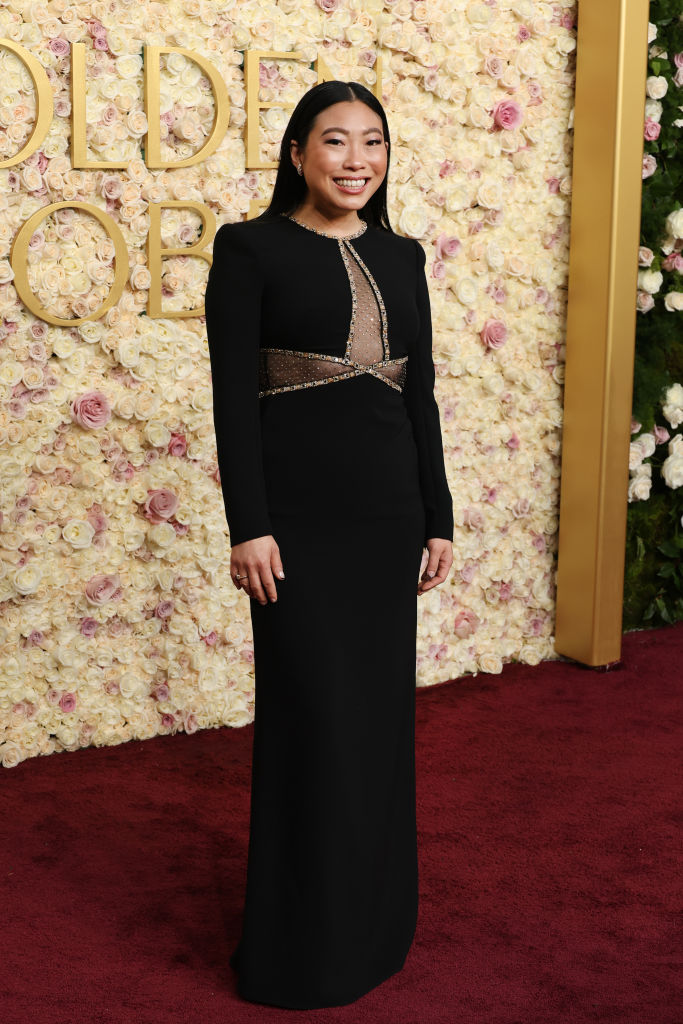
<point>276,284</point>
<point>349,478</point>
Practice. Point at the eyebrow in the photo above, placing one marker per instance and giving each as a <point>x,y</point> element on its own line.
<point>345,131</point>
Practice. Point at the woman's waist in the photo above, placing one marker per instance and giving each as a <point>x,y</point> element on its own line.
<point>284,370</point>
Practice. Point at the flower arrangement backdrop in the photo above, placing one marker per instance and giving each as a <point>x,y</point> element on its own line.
<point>118,619</point>
<point>653,592</point>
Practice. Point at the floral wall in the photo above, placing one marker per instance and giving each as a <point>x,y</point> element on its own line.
<point>118,618</point>
<point>653,586</point>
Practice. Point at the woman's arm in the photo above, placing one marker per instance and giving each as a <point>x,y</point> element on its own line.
<point>424,414</point>
<point>233,317</point>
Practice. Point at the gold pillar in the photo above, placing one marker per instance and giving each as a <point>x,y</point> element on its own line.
<point>603,268</point>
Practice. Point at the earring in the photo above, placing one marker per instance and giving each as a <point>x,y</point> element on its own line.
<point>300,169</point>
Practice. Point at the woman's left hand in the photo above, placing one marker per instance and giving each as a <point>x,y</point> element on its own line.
<point>438,564</point>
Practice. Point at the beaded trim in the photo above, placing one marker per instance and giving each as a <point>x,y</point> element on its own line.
<point>326,234</point>
<point>356,368</point>
<point>378,296</point>
<point>356,371</point>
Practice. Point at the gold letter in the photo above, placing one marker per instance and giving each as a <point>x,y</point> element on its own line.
<point>79,146</point>
<point>19,262</point>
<point>43,91</point>
<point>155,253</point>
<point>221,115</point>
<point>252,59</point>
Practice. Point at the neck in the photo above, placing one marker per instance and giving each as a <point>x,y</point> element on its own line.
<point>328,220</point>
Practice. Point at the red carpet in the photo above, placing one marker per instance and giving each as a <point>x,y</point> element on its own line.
<point>550,813</point>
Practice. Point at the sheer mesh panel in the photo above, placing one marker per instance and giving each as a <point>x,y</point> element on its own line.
<point>289,370</point>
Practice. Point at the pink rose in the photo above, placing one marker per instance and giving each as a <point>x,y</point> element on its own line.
<point>553,185</point>
<point>678,78</point>
<point>523,34</point>
<point>678,60</point>
<point>662,435</point>
<point>635,426</point>
<point>674,261</point>
<point>161,692</point>
<point>161,505</point>
<point>438,270</point>
<point>644,302</point>
<point>190,721</point>
<point>465,623</point>
<point>59,46</point>
<point>102,588</point>
<point>494,334</point>
<point>473,517</point>
<point>652,130</point>
<point>98,521</point>
<point>521,508</point>
<point>167,720</point>
<point>177,445</point>
<point>328,6</point>
<point>513,443</point>
<point>211,638</point>
<point>649,165</point>
<point>88,626</point>
<point>494,66</point>
<point>447,245</point>
<point>91,410</point>
<point>68,702</point>
<point>507,115</point>
<point>645,256</point>
<point>164,609</point>
<point>445,168</point>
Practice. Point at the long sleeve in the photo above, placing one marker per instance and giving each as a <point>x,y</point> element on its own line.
<point>233,317</point>
<point>424,414</point>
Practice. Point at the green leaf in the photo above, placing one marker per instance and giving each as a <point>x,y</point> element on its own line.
<point>668,569</point>
<point>662,609</point>
<point>668,548</point>
<point>640,548</point>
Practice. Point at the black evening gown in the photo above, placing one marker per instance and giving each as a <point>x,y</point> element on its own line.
<point>328,438</point>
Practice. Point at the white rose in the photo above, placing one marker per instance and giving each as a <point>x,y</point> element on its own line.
<point>656,86</point>
<point>645,444</point>
<point>27,579</point>
<point>674,223</point>
<point>640,484</point>
<point>490,195</point>
<point>673,302</point>
<point>672,405</point>
<point>466,291</point>
<point>162,535</point>
<point>78,533</point>
<point>651,32</point>
<point>650,281</point>
<point>672,468</point>
<point>414,221</point>
<point>490,663</point>
<point>653,110</point>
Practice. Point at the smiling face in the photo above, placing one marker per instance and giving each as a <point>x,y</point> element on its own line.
<point>344,159</point>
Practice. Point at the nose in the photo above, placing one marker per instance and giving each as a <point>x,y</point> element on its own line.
<point>354,156</point>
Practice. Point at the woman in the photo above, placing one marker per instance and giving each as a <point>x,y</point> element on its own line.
<point>333,478</point>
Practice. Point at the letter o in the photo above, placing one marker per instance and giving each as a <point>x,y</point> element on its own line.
<point>19,256</point>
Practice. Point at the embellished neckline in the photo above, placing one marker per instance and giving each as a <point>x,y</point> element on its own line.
<point>326,234</point>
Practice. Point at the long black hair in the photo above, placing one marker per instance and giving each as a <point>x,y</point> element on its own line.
<point>290,187</point>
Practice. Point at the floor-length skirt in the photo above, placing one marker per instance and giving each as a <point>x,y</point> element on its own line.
<point>332,881</point>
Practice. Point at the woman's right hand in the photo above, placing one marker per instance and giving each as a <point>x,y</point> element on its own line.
<point>256,560</point>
